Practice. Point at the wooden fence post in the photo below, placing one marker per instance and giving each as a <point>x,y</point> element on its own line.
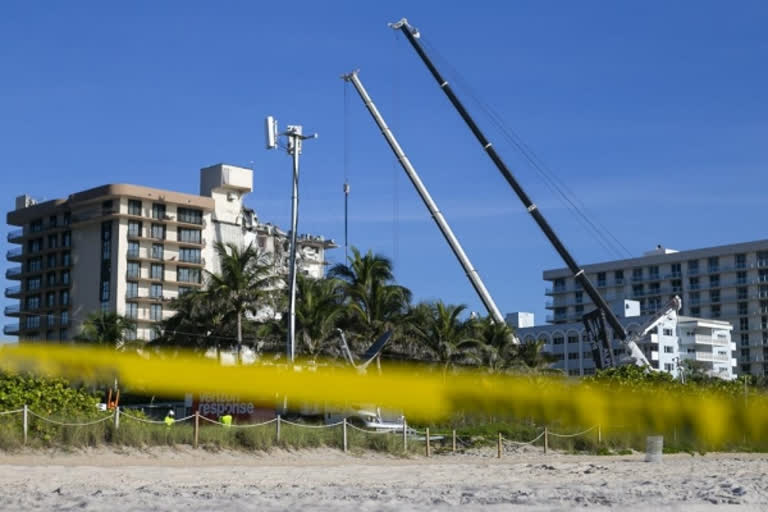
<point>344,430</point>
<point>429,451</point>
<point>277,428</point>
<point>405,435</point>
<point>546,440</point>
<point>499,446</point>
<point>25,423</point>
<point>197,428</point>
<point>599,434</point>
<point>453,441</point>
<point>117,417</point>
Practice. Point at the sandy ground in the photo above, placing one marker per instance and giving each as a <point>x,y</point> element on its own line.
<point>176,479</point>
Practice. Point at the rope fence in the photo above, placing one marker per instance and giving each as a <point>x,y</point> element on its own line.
<point>405,433</point>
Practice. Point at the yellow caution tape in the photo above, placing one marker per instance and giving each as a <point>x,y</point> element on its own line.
<point>421,393</point>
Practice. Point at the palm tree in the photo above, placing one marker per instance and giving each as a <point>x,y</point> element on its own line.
<point>446,336</point>
<point>529,356</point>
<point>319,308</point>
<point>106,328</point>
<point>498,349</point>
<point>244,285</point>
<point>197,324</point>
<point>374,303</point>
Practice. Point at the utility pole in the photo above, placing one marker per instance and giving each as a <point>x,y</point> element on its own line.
<point>295,137</point>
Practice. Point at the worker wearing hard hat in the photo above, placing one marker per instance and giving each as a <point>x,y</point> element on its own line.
<point>169,419</point>
<point>226,420</point>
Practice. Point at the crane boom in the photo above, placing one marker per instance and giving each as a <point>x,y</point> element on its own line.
<point>412,36</point>
<point>445,229</point>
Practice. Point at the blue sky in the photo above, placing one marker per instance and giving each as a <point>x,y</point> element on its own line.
<point>655,115</point>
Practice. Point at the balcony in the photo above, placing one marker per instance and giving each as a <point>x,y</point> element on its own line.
<point>13,273</point>
<point>13,310</point>
<point>11,330</point>
<point>15,235</point>
<point>13,292</point>
<point>14,254</point>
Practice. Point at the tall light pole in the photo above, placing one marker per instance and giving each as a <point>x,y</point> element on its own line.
<point>295,137</point>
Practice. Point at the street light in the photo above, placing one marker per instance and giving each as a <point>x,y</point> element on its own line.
<point>294,136</point>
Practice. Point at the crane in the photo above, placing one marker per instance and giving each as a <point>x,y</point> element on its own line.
<point>445,229</point>
<point>594,321</point>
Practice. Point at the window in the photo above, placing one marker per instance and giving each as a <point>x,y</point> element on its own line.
<point>35,245</point>
<point>693,267</point>
<point>189,255</point>
<point>601,279</point>
<point>33,283</point>
<point>589,371</point>
<point>741,277</point>
<point>741,261</point>
<point>156,312</point>
<point>35,264</point>
<point>714,281</point>
<point>653,271</point>
<point>134,228</point>
<point>65,277</point>
<point>158,211</point>
<point>764,306</point>
<point>695,311</point>
<point>559,283</point>
<point>558,340</point>
<point>133,270</point>
<point>51,260</point>
<point>184,289</point>
<point>668,349</point>
<point>53,241</point>
<point>52,221</point>
<point>33,302</point>
<point>676,270</point>
<point>713,264</point>
<point>64,298</point>
<point>66,258</point>
<point>50,299</point>
<point>742,293</point>
<point>156,271</point>
<point>579,297</point>
<point>579,310</point>
<point>763,292</point>
<point>67,219</point>
<point>763,276</point>
<point>133,249</point>
<point>104,292</point>
<point>106,207</point>
<point>744,339</point>
<point>745,353</point>
<point>654,288</point>
<point>573,372</point>
<point>157,251</point>
<point>638,290</point>
<point>762,259</point>
<point>66,239</point>
<point>743,308</point>
<point>50,279</point>
<point>131,289</point>
<point>714,295</point>
<point>188,275</point>
<point>572,338</point>
<point>134,207</point>
<point>261,241</point>
<point>693,283</point>
<point>36,225</point>
<point>131,310</point>
<point>190,216</point>
<point>667,332</point>
<point>50,321</point>
<point>667,367</point>
<point>158,231</point>
<point>637,274</point>
<point>156,291</point>
<point>106,240</point>
<point>573,355</point>
<point>618,277</point>
<point>33,322</point>
<point>715,311</point>
<point>193,236</point>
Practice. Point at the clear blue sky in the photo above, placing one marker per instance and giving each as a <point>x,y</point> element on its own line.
<point>654,113</point>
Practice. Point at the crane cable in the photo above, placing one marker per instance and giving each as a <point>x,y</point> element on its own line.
<point>345,151</point>
<point>395,171</point>
<point>601,234</point>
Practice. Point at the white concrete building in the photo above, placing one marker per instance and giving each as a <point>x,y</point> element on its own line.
<point>674,340</point>
<point>728,282</point>
<point>131,249</point>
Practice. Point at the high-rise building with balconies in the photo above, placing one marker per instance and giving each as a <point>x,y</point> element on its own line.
<point>728,283</point>
<point>131,249</point>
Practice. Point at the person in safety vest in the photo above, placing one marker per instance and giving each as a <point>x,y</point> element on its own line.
<point>169,419</point>
<point>226,420</point>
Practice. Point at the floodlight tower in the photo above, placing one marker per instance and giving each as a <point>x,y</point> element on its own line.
<point>295,137</point>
